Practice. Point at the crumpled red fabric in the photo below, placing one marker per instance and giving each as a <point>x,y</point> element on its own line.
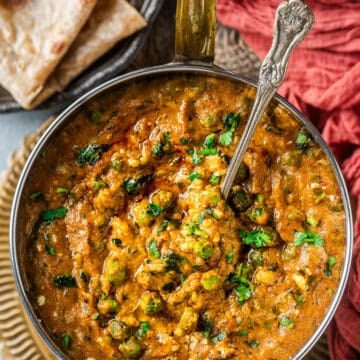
<point>323,82</point>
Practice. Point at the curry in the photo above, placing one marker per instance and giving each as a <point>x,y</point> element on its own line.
<point>135,254</point>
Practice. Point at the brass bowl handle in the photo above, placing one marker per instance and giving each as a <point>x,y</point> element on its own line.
<point>195,30</point>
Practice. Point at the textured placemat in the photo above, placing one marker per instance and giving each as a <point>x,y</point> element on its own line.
<point>20,339</point>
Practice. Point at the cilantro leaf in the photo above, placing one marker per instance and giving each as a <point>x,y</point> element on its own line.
<point>308,237</point>
<point>66,340</point>
<point>62,281</point>
<point>193,229</point>
<point>231,121</point>
<point>53,214</point>
<point>153,249</point>
<point>214,179</point>
<point>209,141</point>
<point>286,322</point>
<point>50,250</point>
<point>154,209</point>
<point>244,287</point>
<point>255,238</point>
<point>229,257</point>
<point>90,154</point>
<point>163,147</point>
<point>165,224</point>
<point>143,329</point>
<point>195,156</point>
<point>36,196</point>
<point>330,263</point>
<point>303,139</point>
<point>62,190</point>
<point>194,176</point>
<point>226,138</point>
<point>133,186</point>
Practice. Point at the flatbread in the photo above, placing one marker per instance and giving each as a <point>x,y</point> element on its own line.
<point>110,22</point>
<point>34,36</point>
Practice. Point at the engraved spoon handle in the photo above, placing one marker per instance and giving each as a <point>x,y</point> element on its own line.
<point>293,21</point>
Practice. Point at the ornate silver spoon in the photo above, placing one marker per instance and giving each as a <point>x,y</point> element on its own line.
<point>293,21</point>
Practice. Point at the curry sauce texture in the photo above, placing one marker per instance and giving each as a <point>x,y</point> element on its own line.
<point>133,252</point>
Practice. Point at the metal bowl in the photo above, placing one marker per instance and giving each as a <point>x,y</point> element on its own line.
<point>18,241</point>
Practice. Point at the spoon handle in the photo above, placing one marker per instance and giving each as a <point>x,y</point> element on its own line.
<point>293,21</point>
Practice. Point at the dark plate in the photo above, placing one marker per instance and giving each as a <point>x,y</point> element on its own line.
<point>111,64</point>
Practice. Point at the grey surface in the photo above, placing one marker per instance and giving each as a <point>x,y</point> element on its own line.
<point>13,128</point>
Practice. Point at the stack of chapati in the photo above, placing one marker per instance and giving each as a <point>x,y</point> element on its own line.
<point>44,44</point>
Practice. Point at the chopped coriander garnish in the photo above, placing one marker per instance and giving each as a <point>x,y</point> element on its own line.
<point>303,139</point>
<point>255,238</point>
<point>62,190</point>
<point>154,209</point>
<point>243,292</point>
<point>133,186</point>
<point>153,249</point>
<point>53,214</point>
<point>165,224</point>
<point>62,281</point>
<point>214,179</point>
<point>226,138</point>
<point>194,176</point>
<point>231,122</point>
<point>196,157</point>
<point>163,147</point>
<point>209,141</point>
<point>66,340</point>
<point>299,299</point>
<point>50,250</point>
<point>172,261</point>
<point>193,229</point>
<point>229,257</point>
<point>90,154</point>
<point>209,146</point>
<point>244,287</point>
<point>330,263</point>
<point>209,212</point>
<point>286,322</point>
<point>221,336</point>
<point>308,237</point>
<point>143,329</point>
<point>36,196</point>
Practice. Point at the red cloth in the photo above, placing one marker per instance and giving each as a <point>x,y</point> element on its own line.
<point>323,81</point>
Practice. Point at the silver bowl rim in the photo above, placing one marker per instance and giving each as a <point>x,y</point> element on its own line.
<point>195,68</point>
